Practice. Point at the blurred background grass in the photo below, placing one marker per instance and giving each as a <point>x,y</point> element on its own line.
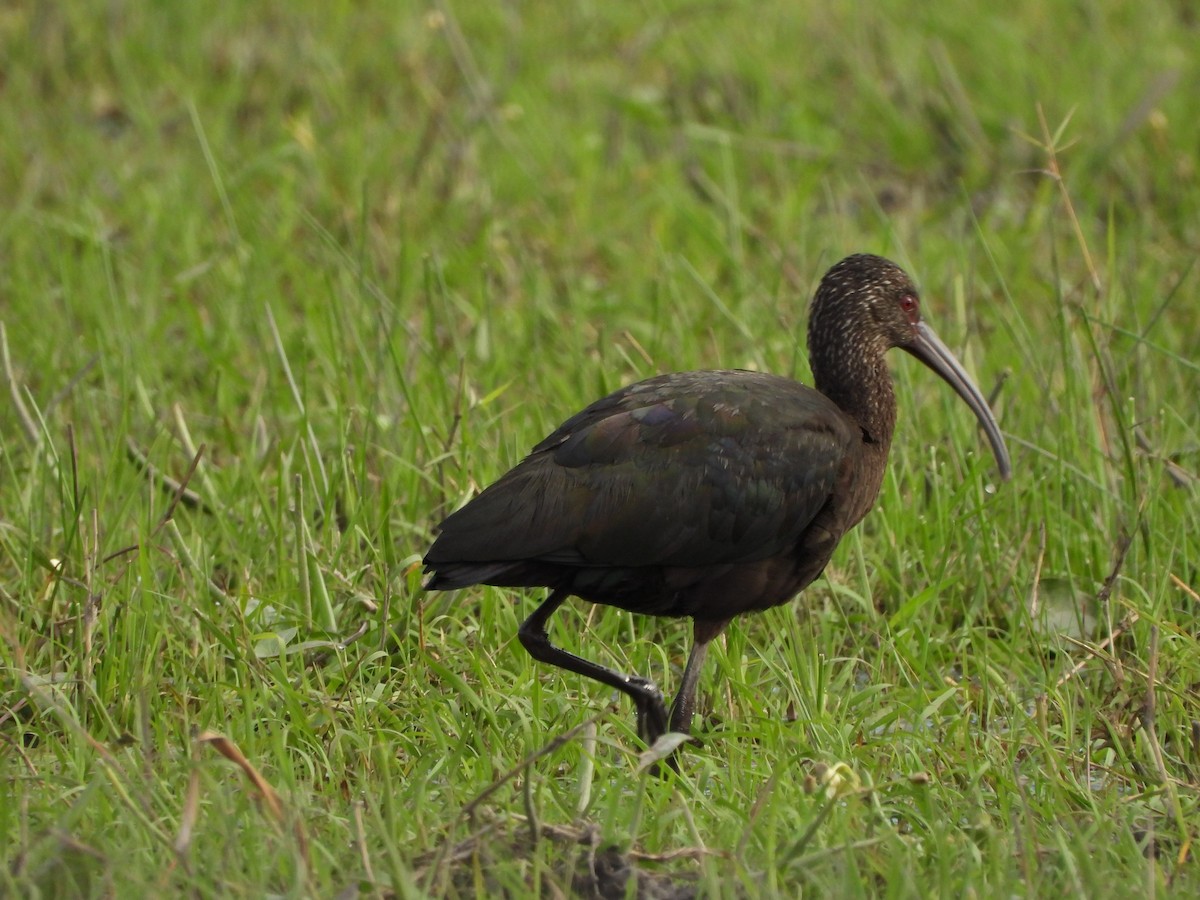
<point>367,254</point>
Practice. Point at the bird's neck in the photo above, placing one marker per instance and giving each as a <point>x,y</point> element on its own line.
<point>863,390</point>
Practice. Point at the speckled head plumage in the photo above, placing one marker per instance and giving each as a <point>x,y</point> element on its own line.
<point>862,308</point>
<point>865,306</point>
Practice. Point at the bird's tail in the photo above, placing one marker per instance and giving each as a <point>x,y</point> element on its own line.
<point>450,576</point>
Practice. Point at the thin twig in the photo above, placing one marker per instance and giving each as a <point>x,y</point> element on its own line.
<point>558,741</point>
<point>1183,586</point>
<point>1102,597</point>
<point>1098,650</point>
<point>1119,554</point>
<point>586,833</point>
<point>1055,173</point>
<point>1150,703</point>
<point>179,490</point>
<point>447,853</point>
<point>360,833</point>
<point>65,391</point>
<point>1037,571</point>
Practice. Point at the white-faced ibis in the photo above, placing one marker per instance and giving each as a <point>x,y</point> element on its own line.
<point>705,494</point>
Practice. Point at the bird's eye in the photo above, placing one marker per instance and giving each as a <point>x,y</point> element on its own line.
<point>911,308</point>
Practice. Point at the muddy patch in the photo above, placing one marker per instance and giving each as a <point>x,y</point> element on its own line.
<point>582,865</point>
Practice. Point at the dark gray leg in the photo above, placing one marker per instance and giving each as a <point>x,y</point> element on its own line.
<point>685,700</point>
<point>647,698</point>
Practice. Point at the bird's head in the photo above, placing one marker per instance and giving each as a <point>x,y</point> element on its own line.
<point>866,305</point>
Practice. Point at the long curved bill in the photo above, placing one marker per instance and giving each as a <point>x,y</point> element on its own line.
<point>929,349</point>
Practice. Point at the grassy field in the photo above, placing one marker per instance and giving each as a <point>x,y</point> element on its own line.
<point>332,267</point>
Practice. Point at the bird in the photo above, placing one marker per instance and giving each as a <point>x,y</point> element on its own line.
<point>705,494</point>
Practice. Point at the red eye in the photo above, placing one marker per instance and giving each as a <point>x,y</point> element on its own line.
<point>909,304</point>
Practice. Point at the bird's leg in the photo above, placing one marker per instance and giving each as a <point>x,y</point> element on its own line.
<point>647,698</point>
<point>685,700</point>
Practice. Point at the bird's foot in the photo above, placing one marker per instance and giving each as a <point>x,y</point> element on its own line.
<point>654,728</point>
<point>652,716</point>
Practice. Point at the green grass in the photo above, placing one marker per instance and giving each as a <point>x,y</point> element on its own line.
<point>356,259</point>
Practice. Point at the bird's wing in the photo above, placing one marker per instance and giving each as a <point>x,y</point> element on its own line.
<point>682,470</point>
